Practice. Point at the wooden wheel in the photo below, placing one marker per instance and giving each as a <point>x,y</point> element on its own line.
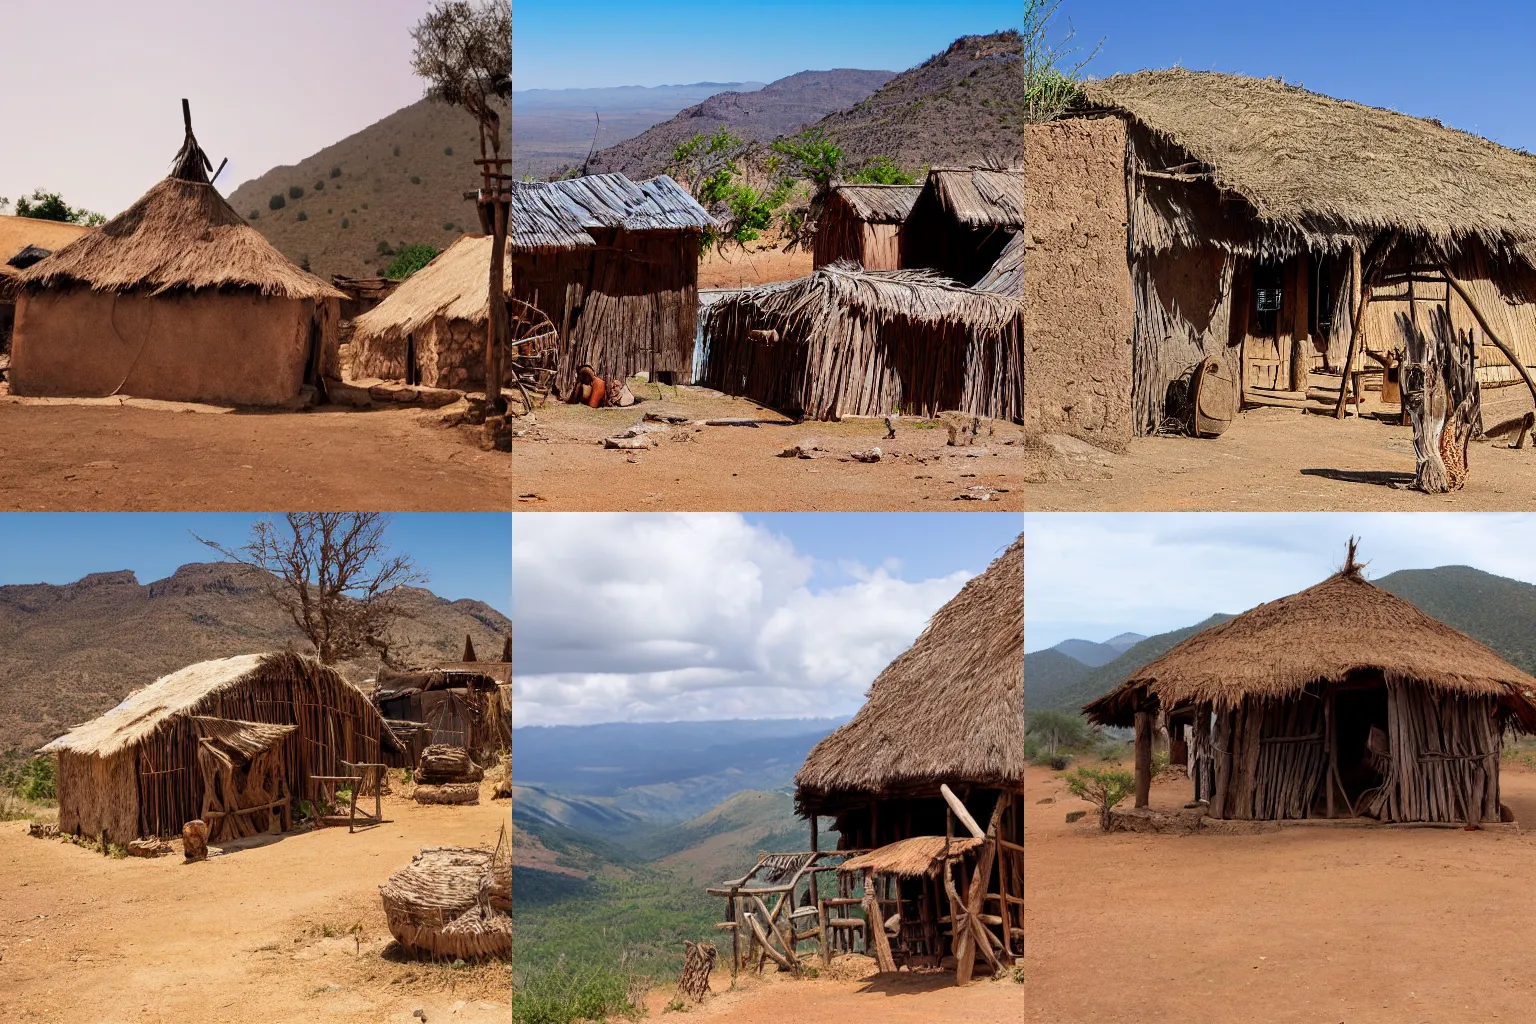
<point>533,348</point>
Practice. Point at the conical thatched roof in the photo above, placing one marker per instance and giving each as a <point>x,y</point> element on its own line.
<point>1329,166</point>
<point>1328,633</point>
<point>180,236</point>
<point>949,709</point>
<point>452,286</point>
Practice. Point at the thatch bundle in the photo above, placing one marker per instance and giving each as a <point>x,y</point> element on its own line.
<point>909,858</point>
<point>1328,633</point>
<point>949,709</point>
<point>845,341</point>
<point>441,763</point>
<point>447,793</point>
<point>453,902</point>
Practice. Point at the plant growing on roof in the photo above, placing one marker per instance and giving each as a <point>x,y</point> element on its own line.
<point>333,575</point>
<point>1102,787</point>
<point>1052,71</point>
<point>409,259</point>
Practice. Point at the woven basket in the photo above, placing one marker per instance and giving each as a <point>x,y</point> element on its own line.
<point>435,908</point>
<point>452,793</point>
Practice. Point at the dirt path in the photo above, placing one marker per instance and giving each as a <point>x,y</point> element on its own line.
<point>263,934</point>
<point>560,464</point>
<point>100,457</point>
<point>749,267</point>
<point>897,999</point>
<point>1423,925</point>
<point>1278,460</point>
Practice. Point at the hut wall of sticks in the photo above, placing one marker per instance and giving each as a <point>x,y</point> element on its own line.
<point>925,785</point>
<point>1278,232</point>
<point>962,219</point>
<point>846,341</point>
<point>863,224</point>
<point>431,330</point>
<point>142,769</point>
<point>175,298</point>
<point>1340,701</point>
<point>614,265</point>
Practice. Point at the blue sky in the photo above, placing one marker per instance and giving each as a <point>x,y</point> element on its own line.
<point>911,546</point>
<point>1096,575</point>
<point>1468,64</point>
<point>467,555</point>
<point>563,44</point>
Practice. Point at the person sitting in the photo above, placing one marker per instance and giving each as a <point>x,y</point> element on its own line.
<point>590,389</point>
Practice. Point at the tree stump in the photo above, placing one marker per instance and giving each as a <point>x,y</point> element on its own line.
<point>1442,399</point>
<point>698,961</point>
<point>194,841</point>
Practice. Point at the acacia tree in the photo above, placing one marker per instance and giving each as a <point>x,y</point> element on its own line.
<point>333,575</point>
<point>464,53</point>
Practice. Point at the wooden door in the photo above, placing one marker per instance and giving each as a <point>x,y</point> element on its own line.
<point>1266,360</point>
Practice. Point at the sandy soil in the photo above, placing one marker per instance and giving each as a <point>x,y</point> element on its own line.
<point>1315,924</point>
<point>97,456</point>
<point>241,937</point>
<point>893,999</point>
<point>1277,459</point>
<point>747,268</point>
<point>560,464</point>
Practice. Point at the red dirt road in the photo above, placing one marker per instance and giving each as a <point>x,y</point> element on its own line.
<point>1299,924</point>
<point>100,457</point>
<point>898,999</point>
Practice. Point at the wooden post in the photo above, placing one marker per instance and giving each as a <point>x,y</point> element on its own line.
<point>965,947</point>
<point>813,838</point>
<point>874,925</point>
<point>1143,758</point>
<point>496,334</point>
<point>960,811</point>
<point>1331,745</point>
<point>1300,333</point>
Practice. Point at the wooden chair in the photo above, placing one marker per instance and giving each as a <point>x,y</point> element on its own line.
<point>359,780</point>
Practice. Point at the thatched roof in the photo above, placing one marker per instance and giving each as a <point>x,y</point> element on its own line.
<point>909,858</point>
<point>179,693</point>
<point>919,295</point>
<point>452,286</point>
<point>1007,275</point>
<point>980,198</point>
<point>558,214</point>
<point>180,236</point>
<point>17,233</point>
<point>1328,633</point>
<point>244,738</point>
<point>949,709</point>
<point>1330,167</point>
<point>880,204</point>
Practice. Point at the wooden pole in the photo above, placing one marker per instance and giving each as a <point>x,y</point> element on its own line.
<point>960,811</point>
<point>496,334</point>
<point>874,923</point>
<point>965,948</point>
<point>1356,322</point>
<point>1493,335</point>
<point>1333,747</point>
<point>1300,333</point>
<point>1143,758</point>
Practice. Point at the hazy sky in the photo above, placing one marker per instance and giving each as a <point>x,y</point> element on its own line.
<point>654,617</point>
<point>1471,69</point>
<point>94,87</point>
<point>563,44</point>
<point>467,555</point>
<point>1093,576</point>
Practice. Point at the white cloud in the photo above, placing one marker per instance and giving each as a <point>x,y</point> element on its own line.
<point>666,617</point>
<point>1096,575</point>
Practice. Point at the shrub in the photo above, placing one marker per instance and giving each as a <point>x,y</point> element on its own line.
<point>345,223</point>
<point>304,262</point>
<point>335,172</point>
<point>415,179</point>
<point>277,202</point>
<point>385,250</point>
<point>447,151</point>
<point>409,259</point>
<point>1056,729</point>
<point>1059,762</point>
<point>295,191</point>
<point>1102,787</point>
<point>303,215</point>
<point>254,215</point>
<point>397,151</point>
<point>320,186</point>
<point>881,170</point>
<point>448,225</point>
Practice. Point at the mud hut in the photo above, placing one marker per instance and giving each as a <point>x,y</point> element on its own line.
<point>862,224</point>
<point>1183,216</point>
<point>1341,700</point>
<point>962,220</point>
<point>614,265</point>
<point>846,341</point>
<point>431,329</point>
<point>141,768</point>
<point>464,704</point>
<point>927,778</point>
<point>176,298</point>
<point>23,242</point>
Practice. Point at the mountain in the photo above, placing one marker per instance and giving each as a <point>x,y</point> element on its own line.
<point>1095,654</point>
<point>1047,673</point>
<point>554,128</point>
<point>962,107</point>
<point>1072,696</point>
<point>399,181</point>
<point>779,108</point>
<point>73,651</point>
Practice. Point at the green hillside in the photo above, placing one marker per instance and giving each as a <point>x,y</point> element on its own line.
<point>1047,673</point>
<point>1106,677</point>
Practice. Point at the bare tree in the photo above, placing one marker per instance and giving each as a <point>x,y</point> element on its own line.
<point>464,52</point>
<point>334,576</point>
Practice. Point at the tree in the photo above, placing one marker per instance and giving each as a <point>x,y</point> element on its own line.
<point>464,53</point>
<point>1102,787</point>
<point>5,204</point>
<point>333,575</point>
<point>41,205</point>
<point>1056,729</point>
<point>409,260</point>
<point>880,170</point>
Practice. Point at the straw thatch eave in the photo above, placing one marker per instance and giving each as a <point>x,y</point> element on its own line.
<point>879,204</point>
<point>1339,630</point>
<point>918,295</point>
<point>451,287</point>
<point>1325,168</point>
<point>1007,275</point>
<point>979,198</point>
<point>914,857</point>
<point>949,709</point>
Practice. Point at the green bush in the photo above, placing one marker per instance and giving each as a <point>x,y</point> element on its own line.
<point>254,215</point>
<point>302,215</point>
<point>562,994</point>
<point>409,259</point>
<point>1055,729</point>
<point>277,202</point>
<point>335,172</point>
<point>397,151</point>
<point>320,186</point>
<point>447,151</point>
<point>448,225</point>
<point>1102,787</point>
<point>295,191</point>
<point>345,223</point>
<point>1059,762</point>
<point>881,170</point>
<point>415,179</point>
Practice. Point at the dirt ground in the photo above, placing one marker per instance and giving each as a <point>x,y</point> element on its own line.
<point>1276,460</point>
<point>103,456</point>
<point>893,999</point>
<point>747,268</point>
<point>287,931</point>
<point>560,463</point>
<point>1302,923</point>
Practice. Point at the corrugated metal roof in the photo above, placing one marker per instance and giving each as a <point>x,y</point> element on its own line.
<point>555,213</point>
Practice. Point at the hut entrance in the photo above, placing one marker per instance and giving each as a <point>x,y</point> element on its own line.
<point>244,776</point>
<point>412,362</point>
<point>1359,762</point>
<point>312,354</point>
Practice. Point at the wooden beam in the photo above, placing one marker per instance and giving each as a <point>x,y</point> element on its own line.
<point>1363,281</point>
<point>875,933</point>
<point>768,950</point>
<point>965,948</point>
<point>960,811</point>
<point>1300,333</point>
<point>1493,336</point>
<point>1143,758</point>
